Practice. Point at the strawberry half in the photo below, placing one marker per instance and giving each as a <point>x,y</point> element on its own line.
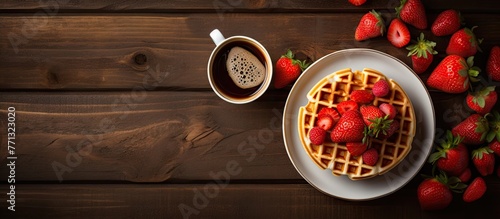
<point>331,112</point>
<point>475,190</point>
<point>347,105</point>
<point>398,34</point>
<point>412,12</point>
<point>325,122</point>
<point>288,69</point>
<point>371,25</point>
<point>463,43</point>
<point>483,100</point>
<point>493,64</point>
<point>422,53</point>
<point>447,23</point>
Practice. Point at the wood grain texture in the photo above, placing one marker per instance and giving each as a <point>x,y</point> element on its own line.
<point>85,52</point>
<point>227,201</point>
<point>222,6</point>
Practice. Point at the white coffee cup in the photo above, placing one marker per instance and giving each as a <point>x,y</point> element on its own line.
<point>218,75</point>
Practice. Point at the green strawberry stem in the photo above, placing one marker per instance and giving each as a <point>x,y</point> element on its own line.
<point>379,125</point>
<point>445,145</point>
<point>473,38</point>
<point>494,125</point>
<point>421,46</point>
<point>454,183</point>
<point>478,153</point>
<point>302,63</point>
<point>478,96</point>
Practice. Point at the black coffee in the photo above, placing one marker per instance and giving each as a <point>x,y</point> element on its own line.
<point>221,77</point>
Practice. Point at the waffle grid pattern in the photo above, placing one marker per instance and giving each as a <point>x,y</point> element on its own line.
<point>334,89</point>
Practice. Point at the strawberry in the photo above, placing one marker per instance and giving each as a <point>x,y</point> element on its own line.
<point>381,88</point>
<point>463,43</point>
<point>288,69</point>
<point>317,135</point>
<point>451,156</point>
<point>447,23</point>
<point>371,25</point>
<point>495,146</point>
<point>483,100</point>
<point>362,96</point>
<point>357,2</point>
<point>356,148</point>
<point>371,114</point>
<point>493,64</point>
<point>466,175</point>
<point>473,129</point>
<point>388,110</point>
<point>422,53</point>
<point>325,122</point>
<point>350,128</point>
<point>475,190</point>
<point>393,127</point>
<point>484,160</point>
<point>370,157</point>
<point>412,12</point>
<point>347,105</point>
<point>453,74</point>
<point>435,193</point>
<point>331,112</point>
<point>398,34</point>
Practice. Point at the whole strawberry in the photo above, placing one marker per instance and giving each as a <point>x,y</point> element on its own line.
<point>475,190</point>
<point>451,156</point>
<point>484,160</point>
<point>463,43</point>
<point>350,128</point>
<point>288,69</point>
<point>317,135</point>
<point>483,100</point>
<point>447,23</point>
<point>473,129</point>
<point>412,12</point>
<point>422,53</point>
<point>453,74</point>
<point>371,25</point>
<point>493,64</point>
<point>370,157</point>
<point>398,34</point>
<point>435,193</point>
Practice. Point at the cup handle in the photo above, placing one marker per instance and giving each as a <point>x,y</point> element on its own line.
<point>217,37</point>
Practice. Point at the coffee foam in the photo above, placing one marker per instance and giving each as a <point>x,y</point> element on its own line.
<point>244,68</point>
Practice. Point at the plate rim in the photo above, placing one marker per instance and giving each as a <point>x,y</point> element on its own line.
<point>362,50</point>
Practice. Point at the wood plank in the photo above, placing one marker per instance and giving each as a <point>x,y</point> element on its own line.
<point>224,6</point>
<point>75,52</point>
<point>226,201</point>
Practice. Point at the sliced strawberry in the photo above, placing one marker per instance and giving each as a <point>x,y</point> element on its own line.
<point>317,135</point>
<point>362,96</point>
<point>389,110</point>
<point>331,112</point>
<point>398,34</point>
<point>370,157</point>
<point>347,105</point>
<point>356,148</point>
<point>325,122</point>
<point>475,190</point>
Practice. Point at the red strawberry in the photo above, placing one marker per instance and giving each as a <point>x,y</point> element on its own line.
<point>331,112</point>
<point>350,128</point>
<point>347,105</point>
<point>463,43</point>
<point>317,135</point>
<point>475,190</point>
<point>451,156</point>
<point>357,2</point>
<point>370,157</point>
<point>388,110</point>
<point>453,74</point>
<point>422,53</point>
<point>466,175</point>
<point>371,114</point>
<point>412,12</point>
<point>288,69</point>
<point>381,88</point>
<point>495,146</point>
<point>325,122</point>
<point>483,100</point>
<point>398,34</point>
<point>484,160</point>
<point>393,127</point>
<point>362,96</point>
<point>356,148</point>
<point>493,64</point>
<point>434,193</point>
<point>473,129</point>
<point>371,25</point>
<point>447,23</point>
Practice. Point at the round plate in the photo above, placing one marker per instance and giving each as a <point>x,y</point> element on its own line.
<point>341,186</point>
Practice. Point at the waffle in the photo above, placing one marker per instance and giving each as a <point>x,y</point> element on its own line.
<point>335,88</point>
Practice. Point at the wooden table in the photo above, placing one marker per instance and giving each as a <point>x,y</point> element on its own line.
<point>115,117</point>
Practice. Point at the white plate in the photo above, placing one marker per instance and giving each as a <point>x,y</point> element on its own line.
<point>341,186</point>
